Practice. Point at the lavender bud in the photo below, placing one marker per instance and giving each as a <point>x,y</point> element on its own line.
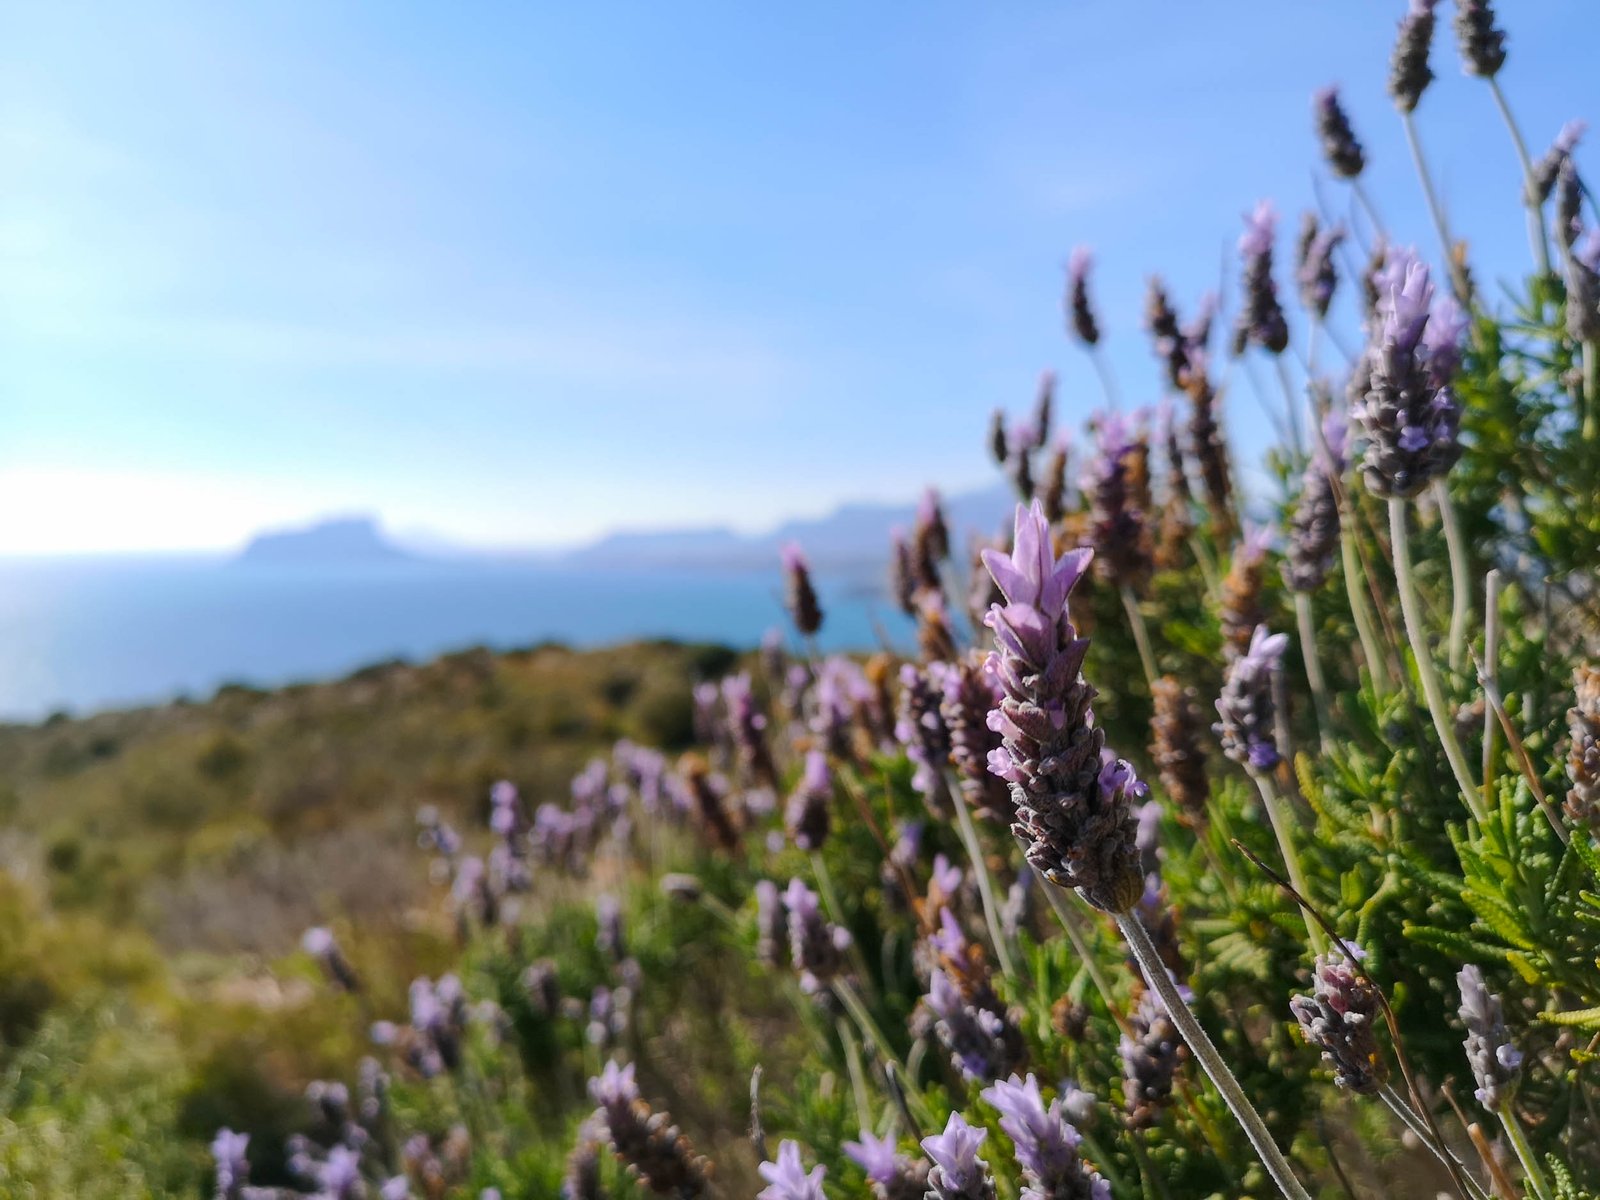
<point>233,1168</point>
<point>772,923</point>
<point>1569,202</point>
<point>1151,1056</point>
<point>1080,314</point>
<point>999,448</point>
<point>708,794</point>
<point>1549,166</point>
<point>807,814</point>
<point>1583,756</point>
<point>892,1175</point>
<point>1175,748</point>
<point>582,1180</point>
<point>1494,1060</point>
<point>801,596</point>
<point>1074,814</point>
<point>1241,608</point>
<point>1046,1143</point>
<point>1337,1019</point>
<point>1210,448</point>
<point>903,581</point>
<point>1261,318</point>
<point>921,730</point>
<point>1054,494</point>
<point>1317,276</point>
<point>1483,45</point>
<point>749,727</point>
<point>1314,527</point>
<point>609,936</point>
<point>968,695</point>
<point>958,1173</point>
<point>1339,144</point>
<point>321,945</point>
<point>1583,290</point>
<point>816,947</point>
<point>1246,705</point>
<point>787,1178</point>
<point>1409,73</point>
<point>1409,418</point>
<point>650,1145</point>
<point>1119,528</point>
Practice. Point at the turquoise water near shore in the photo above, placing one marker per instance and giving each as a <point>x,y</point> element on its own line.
<point>87,634</point>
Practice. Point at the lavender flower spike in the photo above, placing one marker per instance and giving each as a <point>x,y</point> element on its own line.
<point>233,1169</point>
<point>1337,1019</point>
<point>1494,1060</point>
<point>1261,319</point>
<point>1339,144</point>
<point>1246,706</point>
<point>787,1178</point>
<point>801,596</point>
<point>807,815</point>
<point>1080,313</point>
<point>1409,73</point>
<point>1483,44</point>
<point>1075,816</point>
<point>1046,1143</point>
<point>1409,415</point>
<point>893,1176</point>
<point>958,1173</point>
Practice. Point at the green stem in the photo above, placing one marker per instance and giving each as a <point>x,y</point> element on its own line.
<point>1205,1053</point>
<point>980,869</point>
<point>1457,285</point>
<point>1292,404</point>
<point>858,1080</point>
<point>1141,637</point>
<point>1313,661</point>
<point>1354,586</point>
<point>1108,382</point>
<point>1491,658</point>
<point>1518,1137</point>
<point>1460,586</point>
<point>1282,821</point>
<point>1536,228</point>
<point>1591,390</point>
<point>1411,611</point>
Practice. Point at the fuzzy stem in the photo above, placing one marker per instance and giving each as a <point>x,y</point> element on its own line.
<point>1282,821</point>
<point>1456,284</point>
<point>1141,637</point>
<point>1423,1134</point>
<point>1155,973</point>
<point>969,837</point>
<point>1491,656</point>
<point>1536,229</point>
<point>1377,669</point>
<point>1411,611</point>
<point>1108,382</point>
<point>1518,1137</point>
<point>1365,200</point>
<point>1313,661</point>
<point>1207,564</point>
<point>858,1081</point>
<point>1591,390</point>
<point>1292,404</point>
<point>1460,585</point>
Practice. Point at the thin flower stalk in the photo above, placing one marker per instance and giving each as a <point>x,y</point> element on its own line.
<point>1447,1158</point>
<point>1313,661</point>
<point>1282,820</point>
<point>1458,283</point>
<point>1536,227</point>
<point>1460,583</point>
<point>1518,1137</point>
<point>1411,612</point>
<point>1205,1053</point>
<point>1491,659</point>
<point>1141,636</point>
<point>980,870</point>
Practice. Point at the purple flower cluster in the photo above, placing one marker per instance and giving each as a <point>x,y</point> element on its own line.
<point>321,945</point>
<point>922,731</point>
<point>1119,527</point>
<point>1080,313</point>
<point>1073,811</point>
<point>816,947</point>
<point>958,1173</point>
<point>969,694</point>
<point>1046,1143</point>
<point>1483,43</point>
<point>1246,706</point>
<point>801,596</point>
<point>1407,412</point>
<point>647,1142</point>
<point>1261,320</point>
<point>892,1175</point>
<point>808,813</point>
<point>232,1167</point>
<point>1339,144</point>
<point>787,1178</point>
<point>1151,1054</point>
<point>1337,1018</point>
<point>1494,1060</point>
<point>1314,525</point>
<point>1409,72</point>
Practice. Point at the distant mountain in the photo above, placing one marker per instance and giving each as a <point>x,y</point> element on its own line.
<point>853,535</point>
<point>336,540</point>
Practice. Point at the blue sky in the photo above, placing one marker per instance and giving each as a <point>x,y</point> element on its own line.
<point>520,273</point>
